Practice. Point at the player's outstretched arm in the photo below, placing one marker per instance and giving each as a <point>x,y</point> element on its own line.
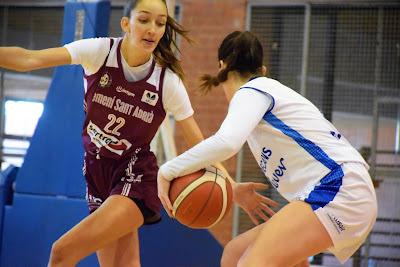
<point>20,59</point>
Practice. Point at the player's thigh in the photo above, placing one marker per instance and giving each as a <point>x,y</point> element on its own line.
<point>289,237</point>
<point>240,243</point>
<point>123,252</point>
<point>115,218</point>
<point>237,246</point>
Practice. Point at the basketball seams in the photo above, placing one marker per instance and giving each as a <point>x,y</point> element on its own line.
<point>188,189</point>
<point>216,172</point>
<point>208,199</point>
<point>174,207</point>
<point>222,185</point>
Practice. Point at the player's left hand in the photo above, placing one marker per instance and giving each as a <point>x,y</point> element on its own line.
<point>163,194</point>
<point>253,203</point>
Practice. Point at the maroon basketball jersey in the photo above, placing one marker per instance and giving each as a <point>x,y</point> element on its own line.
<point>121,115</point>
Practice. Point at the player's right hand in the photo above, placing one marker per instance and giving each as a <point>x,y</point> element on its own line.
<point>163,193</point>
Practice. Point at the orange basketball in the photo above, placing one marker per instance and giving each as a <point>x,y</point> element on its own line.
<point>201,199</point>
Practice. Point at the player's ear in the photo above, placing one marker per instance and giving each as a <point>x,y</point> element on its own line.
<point>264,70</point>
<point>125,24</point>
<point>221,65</point>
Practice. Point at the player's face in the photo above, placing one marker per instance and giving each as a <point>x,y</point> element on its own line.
<point>147,24</point>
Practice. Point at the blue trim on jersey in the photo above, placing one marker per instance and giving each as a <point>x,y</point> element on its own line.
<point>308,145</point>
<point>329,185</point>
<point>265,93</point>
<point>326,191</point>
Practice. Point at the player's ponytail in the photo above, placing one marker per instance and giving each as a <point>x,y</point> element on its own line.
<point>239,51</point>
<point>165,50</point>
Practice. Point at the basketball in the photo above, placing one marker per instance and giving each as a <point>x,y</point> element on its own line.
<point>201,199</point>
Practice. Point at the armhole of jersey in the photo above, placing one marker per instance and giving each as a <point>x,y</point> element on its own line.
<point>161,85</point>
<point>271,106</point>
<point>105,61</point>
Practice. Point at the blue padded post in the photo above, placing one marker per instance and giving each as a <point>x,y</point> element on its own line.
<point>7,178</point>
<point>53,162</point>
<point>33,223</point>
<point>84,19</point>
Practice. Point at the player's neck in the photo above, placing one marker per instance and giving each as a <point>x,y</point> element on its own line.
<point>134,57</point>
<point>233,83</point>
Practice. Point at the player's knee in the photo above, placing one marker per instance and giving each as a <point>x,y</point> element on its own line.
<point>59,254</point>
<point>229,257</point>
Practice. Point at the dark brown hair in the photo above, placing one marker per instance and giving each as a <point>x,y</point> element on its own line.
<point>241,52</point>
<point>164,52</point>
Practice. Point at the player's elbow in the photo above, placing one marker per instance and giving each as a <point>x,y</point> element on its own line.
<point>234,148</point>
<point>231,145</point>
<point>26,61</point>
<point>32,63</point>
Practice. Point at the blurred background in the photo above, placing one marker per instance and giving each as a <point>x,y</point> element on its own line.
<point>344,56</point>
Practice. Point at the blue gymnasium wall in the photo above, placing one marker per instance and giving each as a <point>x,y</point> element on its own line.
<point>49,193</point>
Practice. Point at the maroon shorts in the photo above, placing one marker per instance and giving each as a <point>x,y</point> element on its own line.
<point>134,176</point>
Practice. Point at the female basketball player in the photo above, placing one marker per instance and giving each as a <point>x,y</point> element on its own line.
<point>130,83</point>
<point>332,203</point>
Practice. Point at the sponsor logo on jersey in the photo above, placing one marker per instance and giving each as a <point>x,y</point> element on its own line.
<point>101,139</point>
<point>105,80</point>
<point>130,176</point>
<point>335,134</point>
<point>93,200</point>
<point>120,89</point>
<point>265,154</point>
<point>150,98</point>
<point>337,223</point>
<point>278,172</point>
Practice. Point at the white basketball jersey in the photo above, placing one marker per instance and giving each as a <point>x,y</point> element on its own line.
<point>295,146</point>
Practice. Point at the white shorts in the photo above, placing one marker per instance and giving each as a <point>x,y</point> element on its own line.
<point>350,216</point>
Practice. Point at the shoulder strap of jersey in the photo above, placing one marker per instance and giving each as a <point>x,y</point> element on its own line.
<point>105,61</point>
<point>161,83</point>
<point>109,51</point>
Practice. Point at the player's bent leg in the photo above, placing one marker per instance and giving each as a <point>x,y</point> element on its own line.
<point>115,218</point>
<point>237,246</point>
<point>121,253</point>
<point>290,236</point>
